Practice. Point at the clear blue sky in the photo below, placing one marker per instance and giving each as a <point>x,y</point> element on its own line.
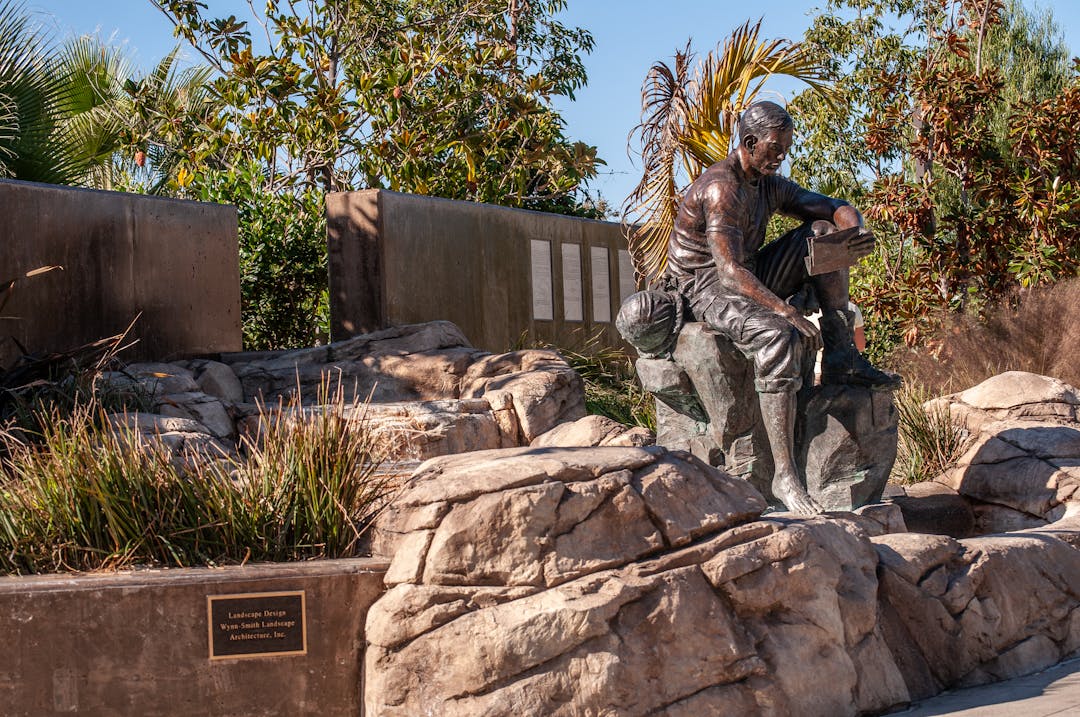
<point>630,36</point>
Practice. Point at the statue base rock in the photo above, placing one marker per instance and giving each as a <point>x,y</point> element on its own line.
<point>706,405</point>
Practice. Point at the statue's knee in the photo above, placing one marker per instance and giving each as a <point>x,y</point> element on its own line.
<point>779,356</point>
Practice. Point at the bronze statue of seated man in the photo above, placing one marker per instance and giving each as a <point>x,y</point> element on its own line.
<point>729,279</point>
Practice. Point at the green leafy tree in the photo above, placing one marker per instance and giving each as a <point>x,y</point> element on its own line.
<point>450,98</point>
<point>950,132</point>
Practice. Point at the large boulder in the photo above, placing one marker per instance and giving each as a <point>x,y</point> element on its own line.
<point>637,581</point>
<point>1022,465</point>
<point>422,386</point>
<point>1012,396</point>
<point>594,431</point>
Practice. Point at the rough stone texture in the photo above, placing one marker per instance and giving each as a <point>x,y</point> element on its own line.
<point>430,393</point>
<point>185,438</point>
<point>969,612</point>
<point>153,379</point>
<point>197,406</point>
<point>637,581</point>
<point>849,445</point>
<point>218,380</point>
<point>427,429</point>
<point>706,404</point>
<point>1013,395</point>
<point>932,507</point>
<point>543,389</point>
<point>594,431</point>
<point>1023,462</point>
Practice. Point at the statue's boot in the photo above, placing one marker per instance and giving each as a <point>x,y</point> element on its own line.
<point>842,363</point>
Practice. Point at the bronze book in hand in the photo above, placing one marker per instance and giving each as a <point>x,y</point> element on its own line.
<point>830,252</point>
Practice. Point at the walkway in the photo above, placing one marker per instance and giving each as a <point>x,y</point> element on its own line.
<point>1053,692</point>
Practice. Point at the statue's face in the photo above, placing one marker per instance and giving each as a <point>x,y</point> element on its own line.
<point>768,152</point>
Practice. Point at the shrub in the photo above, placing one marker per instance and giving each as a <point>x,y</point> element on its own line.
<point>284,299</point>
<point>1037,330</point>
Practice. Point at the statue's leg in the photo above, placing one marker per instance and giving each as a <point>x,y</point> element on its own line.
<point>778,353</point>
<point>778,415</point>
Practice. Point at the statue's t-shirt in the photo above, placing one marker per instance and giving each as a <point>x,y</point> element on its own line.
<point>723,198</point>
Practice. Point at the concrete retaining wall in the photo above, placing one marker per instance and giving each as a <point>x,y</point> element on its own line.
<point>495,272</point>
<point>139,643</point>
<point>174,261</point>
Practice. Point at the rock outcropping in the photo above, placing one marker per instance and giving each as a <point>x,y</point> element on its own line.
<point>706,404</point>
<point>1023,463</point>
<point>429,391</point>
<point>637,581</point>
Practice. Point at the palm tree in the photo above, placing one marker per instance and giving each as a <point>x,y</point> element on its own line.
<point>33,142</point>
<point>76,114</point>
<point>688,123</point>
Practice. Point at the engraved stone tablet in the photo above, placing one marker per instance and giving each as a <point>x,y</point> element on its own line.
<point>601,288</point>
<point>542,304</point>
<point>571,282</point>
<point>257,625</point>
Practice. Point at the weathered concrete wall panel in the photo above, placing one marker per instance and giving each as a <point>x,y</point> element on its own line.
<point>174,261</point>
<point>399,258</point>
<point>138,643</point>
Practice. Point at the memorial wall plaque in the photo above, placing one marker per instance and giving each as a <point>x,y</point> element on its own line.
<point>542,303</point>
<point>573,303</point>
<point>601,290</point>
<point>257,625</point>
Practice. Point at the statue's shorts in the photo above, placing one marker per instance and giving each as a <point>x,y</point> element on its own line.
<point>770,341</point>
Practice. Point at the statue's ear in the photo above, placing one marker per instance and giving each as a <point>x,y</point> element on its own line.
<point>750,141</point>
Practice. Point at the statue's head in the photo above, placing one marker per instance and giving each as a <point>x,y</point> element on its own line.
<point>765,132</point>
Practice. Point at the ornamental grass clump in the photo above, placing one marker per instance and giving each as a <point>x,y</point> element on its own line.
<point>928,442</point>
<point>611,385</point>
<point>310,482</point>
<point>94,493</point>
<point>84,496</point>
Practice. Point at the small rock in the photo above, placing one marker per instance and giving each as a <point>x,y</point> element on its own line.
<point>200,407</point>
<point>220,381</point>
<point>594,431</point>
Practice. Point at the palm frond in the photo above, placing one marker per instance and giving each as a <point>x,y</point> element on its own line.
<point>30,148</point>
<point>688,125</point>
<point>654,201</point>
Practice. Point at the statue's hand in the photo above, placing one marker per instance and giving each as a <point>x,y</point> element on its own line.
<point>809,330</point>
<point>861,245</point>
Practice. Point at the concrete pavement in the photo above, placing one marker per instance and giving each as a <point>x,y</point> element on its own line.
<point>1055,692</point>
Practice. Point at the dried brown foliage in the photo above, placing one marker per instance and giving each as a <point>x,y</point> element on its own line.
<point>1035,330</point>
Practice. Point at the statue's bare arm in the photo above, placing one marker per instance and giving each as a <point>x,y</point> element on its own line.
<point>726,245</point>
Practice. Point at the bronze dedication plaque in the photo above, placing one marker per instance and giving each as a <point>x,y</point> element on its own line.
<point>257,625</point>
